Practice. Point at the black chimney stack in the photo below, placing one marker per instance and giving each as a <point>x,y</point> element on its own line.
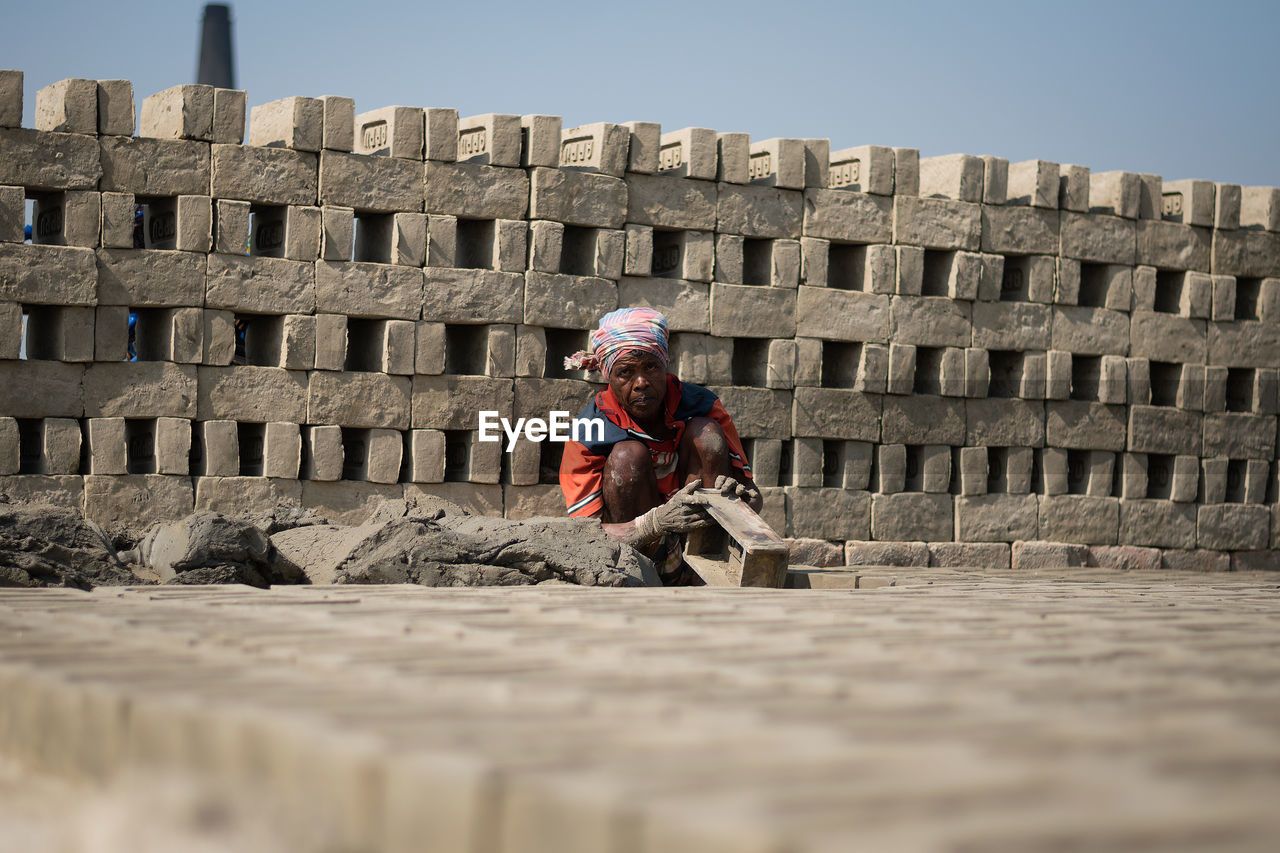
<point>217,64</point>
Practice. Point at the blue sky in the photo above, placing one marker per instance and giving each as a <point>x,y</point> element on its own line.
<point>1181,89</point>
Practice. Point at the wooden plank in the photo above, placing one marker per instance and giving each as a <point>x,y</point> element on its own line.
<point>745,551</point>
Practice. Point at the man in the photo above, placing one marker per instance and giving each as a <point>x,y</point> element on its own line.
<point>662,440</point>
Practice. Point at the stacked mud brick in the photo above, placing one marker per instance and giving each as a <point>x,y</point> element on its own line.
<point>948,354</point>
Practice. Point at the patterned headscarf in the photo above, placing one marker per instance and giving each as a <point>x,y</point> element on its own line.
<point>621,331</point>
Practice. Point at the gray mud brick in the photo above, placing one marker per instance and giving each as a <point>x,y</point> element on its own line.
<point>758,412</point>
<point>369,290</point>
<point>426,456</point>
<point>1080,519</point>
<point>1266,391</point>
<point>1259,207</point>
<point>231,227</point>
<point>937,223</point>
<point>266,175</point>
<point>901,375</point>
<point>429,348</point>
<point>1212,382</point>
<point>511,247</point>
<point>537,397</point>
<point>1226,206</point>
<point>13,214</point>
<point>186,335</point>
<point>935,464</point>
<point>729,259</point>
<point>260,285</point>
<point>1067,285</point>
<point>974,471</point>
<point>567,301</point>
<point>757,211</point>
<point>1113,380</point>
<point>442,241</point>
<point>1223,304</point>
<point>1033,183</point>
<point>952,176</point>
<point>806,463</point>
<point>453,402</point>
<point>61,394</point>
<point>1238,435</point>
<point>337,233</point>
<point>60,333</point>
<point>59,446</point>
<point>766,455</point>
<point>179,112</point>
<point>293,122</point>
<point>1214,477</point>
<point>1188,202</point>
<point>1167,337</point>
<point>338,123</point>
<point>639,250</point>
<point>137,500</point>
<point>1016,230</point>
<point>115,108</point>
<point>977,372</point>
<point>399,347</point>
<point>540,140</point>
<point>1052,372</point>
<point>1254,561</point>
<point>899,554</point>
<point>155,167</point>
<point>951,372</point>
<point>1048,555</point>
<point>219,338</point>
<point>228,116</point>
<point>440,134</point>
<point>670,201</point>
<point>777,163</point>
<point>880,269</point>
<point>492,139</point>
<point>701,358</point>
<point>546,243</point>
<point>10,98</point>
<point>600,147</point>
<point>906,171</point>
<point>49,161</point>
<point>1244,344</point>
<point>1090,331</point>
<point>1169,245</point>
<point>1115,193</point>
<point>173,446</point>
<point>385,449</point>
<point>473,296</point>
<point>923,420</point>
<point>931,321</point>
<point>577,198</point>
<point>10,450</point>
<point>1019,467</point>
<point>865,168</point>
<point>784,266</point>
<point>531,352</point>
<point>1255,480</point>
<point>685,304</point>
<point>1150,202</point>
<point>982,555</point>
<point>324,457</point>
<point>1186,479</point>
<point>739,311</point>
<point>409,240</point>
<point>689,153</point>
<point>817,162</point>
<point>910,278</point>
<point>361,399</point>
<point>68,106</point>
<point>251,393</point>
<point>483,192</point>
<point>66,219</point>
<point>1099,473</point>
<point>1134,480</point>
<point>690,255</point>
<point>964,275</point>
<point>10,331</point>
<point>184,223</point>
<point>847,216</point>
<point>141,278</point>
<point>107,446</point>
<point>644,139</point>
<point>1144,288</point>
<point>1081,425</point>
<point>1160,429</point>
<point>1001,422</point>
<point>832,514</point>
<point>995,179</point>
<point>390,132</point>
<point>1011,326</point>
<point>814,256</point>
<point>734,157</point>
<point>142,389</point>
<point>835,413</point>
<point>1233,527</point>
<point>1098,238</point>
<point>369,183</point>
<point>116,224</point>
<point>911,517</point>
<point>996,518</point>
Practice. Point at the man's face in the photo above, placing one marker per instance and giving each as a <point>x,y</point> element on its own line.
<point>639,381</point>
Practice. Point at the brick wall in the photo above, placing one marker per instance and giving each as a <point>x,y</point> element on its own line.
<point>948,349</point>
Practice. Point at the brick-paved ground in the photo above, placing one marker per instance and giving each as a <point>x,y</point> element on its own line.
<point>954,711</point>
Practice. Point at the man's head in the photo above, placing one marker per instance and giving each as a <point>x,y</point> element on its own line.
<point>638,379</point>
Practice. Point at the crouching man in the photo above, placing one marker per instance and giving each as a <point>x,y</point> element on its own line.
<point>662,440</point>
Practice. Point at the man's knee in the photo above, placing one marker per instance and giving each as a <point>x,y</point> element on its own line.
<point>629,464</point>
<point>708,439</point>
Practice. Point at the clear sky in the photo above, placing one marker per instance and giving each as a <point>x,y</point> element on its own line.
<point>1181,89</point>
